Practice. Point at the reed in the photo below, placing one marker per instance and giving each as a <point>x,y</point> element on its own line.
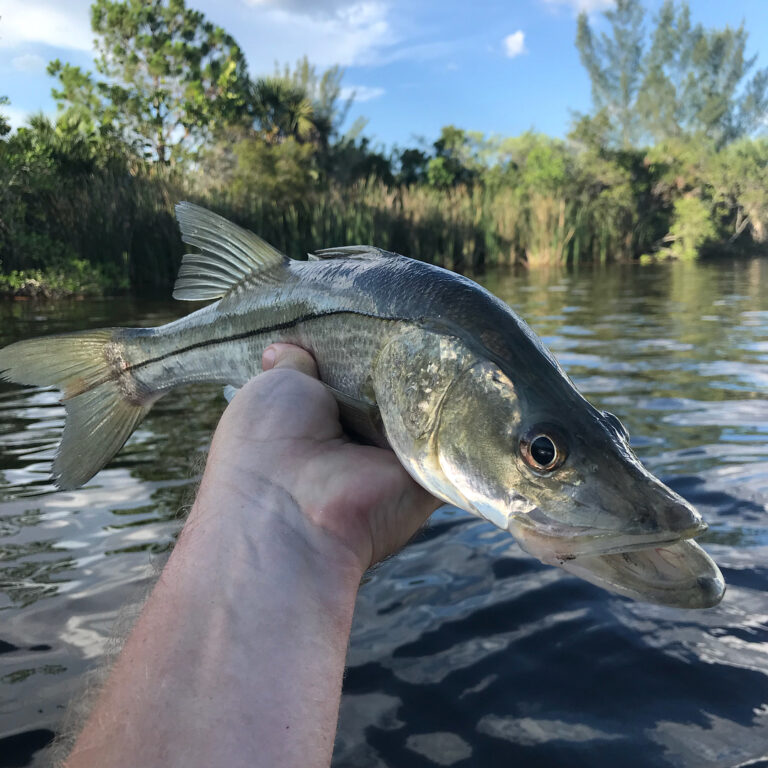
<point>120,222</point>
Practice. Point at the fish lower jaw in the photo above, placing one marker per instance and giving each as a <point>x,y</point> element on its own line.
<point>556,549</point>
<point>681,575</point>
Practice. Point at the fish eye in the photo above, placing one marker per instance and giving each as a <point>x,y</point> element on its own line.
<point>542,448</point>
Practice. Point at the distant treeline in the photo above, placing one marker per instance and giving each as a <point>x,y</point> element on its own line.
<point>670,162</point>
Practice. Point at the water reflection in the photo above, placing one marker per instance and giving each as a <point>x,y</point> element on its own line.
<point>465,651</point>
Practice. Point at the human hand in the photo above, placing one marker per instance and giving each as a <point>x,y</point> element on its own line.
<point>283,426</point>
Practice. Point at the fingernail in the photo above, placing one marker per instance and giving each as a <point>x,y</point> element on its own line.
<point>268,358</point>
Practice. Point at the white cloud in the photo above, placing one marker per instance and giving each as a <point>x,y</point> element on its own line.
<point>19,118</point>
<point>361,92</point>
<point>588,6</point>
<point>419,52</point>
<point>29,62</point>
<point>16,117</point>
<point>307,7</point>
<point>345,34</point>
<point>59,24</point>
<point>514,44</point>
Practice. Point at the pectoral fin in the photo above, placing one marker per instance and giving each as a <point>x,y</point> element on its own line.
<point>230,392</point>
<point>361,419</point>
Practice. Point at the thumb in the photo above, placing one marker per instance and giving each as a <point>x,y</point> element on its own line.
<point>289,356</point>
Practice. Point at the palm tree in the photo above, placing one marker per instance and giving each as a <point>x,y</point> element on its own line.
<point>282,110</point>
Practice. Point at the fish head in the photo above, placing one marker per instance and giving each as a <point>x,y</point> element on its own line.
<point>592,495</point>
<point>516,444</point>
<point>561,476</point>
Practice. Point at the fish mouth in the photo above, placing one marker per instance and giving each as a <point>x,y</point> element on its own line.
<point>662,567</point>
<point>555,543</point>
<point>679,575</point>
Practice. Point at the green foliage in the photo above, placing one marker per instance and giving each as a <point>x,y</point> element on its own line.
<point>282,111</point>
<point>86,202</point>
<point>66,195</point>
<point>689,81</point>
<point>738,177</point>
<point>413,166</point>
<point>82,99</point>
<point>614,64</point>
<point>731,183</point>
<point>546,166</point>
<point>305,106</point>
<point>73,278</point>
<point>695,80</point>
<point>171,78</point>
<point>283,173</point>
<point>453,163</point>
<point>692,226</point>
<point>440,173</point>
<point>353,159</point>
<point>5,127</point>
<point>323,91</point>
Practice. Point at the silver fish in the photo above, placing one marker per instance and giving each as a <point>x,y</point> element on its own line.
<point>419,359</point>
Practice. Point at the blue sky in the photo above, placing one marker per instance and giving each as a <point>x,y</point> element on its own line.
<point>496,66</point>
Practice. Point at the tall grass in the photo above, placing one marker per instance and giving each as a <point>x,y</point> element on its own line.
<point>121,223</point>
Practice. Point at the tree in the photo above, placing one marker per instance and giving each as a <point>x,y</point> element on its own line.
<point>85,101</point>
<point>413,166</point>
<point>281,173</point>
<point>304,106</point>
<point>695,80</point>
<point>324,92</point>
<point>5,126</point>
<point>282,111</point>
<point>692,227</point>
<point>738,177</point>
<point>352,158</point>
<point>171,77</point>
<point>453,162</point>
<point>664,66</point>
<point>688,81</point>
<point>614,64</point>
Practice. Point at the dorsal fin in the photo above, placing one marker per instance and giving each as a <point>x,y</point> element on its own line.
<point>349,252</point>
<point>229,255</point>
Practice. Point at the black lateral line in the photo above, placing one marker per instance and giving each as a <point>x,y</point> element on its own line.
<point>255,332</point>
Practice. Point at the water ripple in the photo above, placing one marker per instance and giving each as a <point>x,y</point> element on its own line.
<point>464,651</point>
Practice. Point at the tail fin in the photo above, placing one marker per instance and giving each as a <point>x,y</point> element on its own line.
<point>100,417</point>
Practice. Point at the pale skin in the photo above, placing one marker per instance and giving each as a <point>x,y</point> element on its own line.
<point>238,656</point>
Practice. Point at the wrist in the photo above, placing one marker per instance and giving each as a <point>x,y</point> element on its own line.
<point>268,528</point>
<point>244,471</point>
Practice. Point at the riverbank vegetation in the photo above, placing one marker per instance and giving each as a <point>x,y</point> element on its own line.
<point>670,162</point>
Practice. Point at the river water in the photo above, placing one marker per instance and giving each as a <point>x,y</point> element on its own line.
<point>465,651</point>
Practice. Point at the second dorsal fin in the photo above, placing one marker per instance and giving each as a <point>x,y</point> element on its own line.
<point>228,256</point>
<point>349,252</point>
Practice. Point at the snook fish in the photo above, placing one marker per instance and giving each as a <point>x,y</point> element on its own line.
<point>419,359</point>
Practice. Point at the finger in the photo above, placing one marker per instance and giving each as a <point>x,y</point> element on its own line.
<point>289,356</point>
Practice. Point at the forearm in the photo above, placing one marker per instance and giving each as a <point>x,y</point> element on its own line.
<point>238,657</point>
